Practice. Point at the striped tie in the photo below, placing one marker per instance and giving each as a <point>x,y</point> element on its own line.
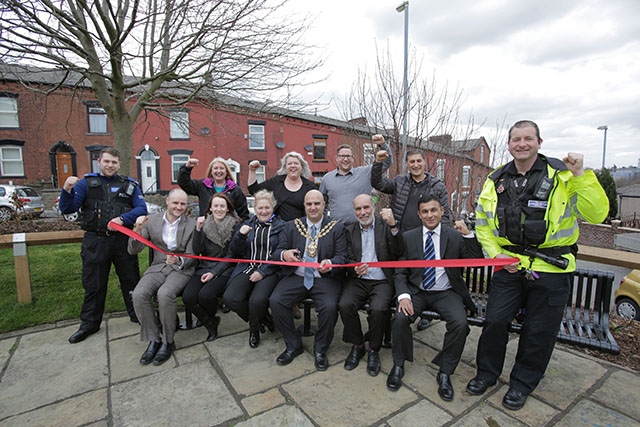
<point>429,275</point>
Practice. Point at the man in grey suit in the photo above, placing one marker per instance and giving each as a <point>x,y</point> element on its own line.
<point>312,238</point>
<point>437,288</point>
<point>167,275</point>
<point>372,238</point>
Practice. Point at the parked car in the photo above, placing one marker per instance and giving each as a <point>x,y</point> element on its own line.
<point>19,200</point>
<point>151,208</point>
<point>627,296</point>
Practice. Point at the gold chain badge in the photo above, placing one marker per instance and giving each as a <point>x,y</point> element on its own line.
<point>312,247</point>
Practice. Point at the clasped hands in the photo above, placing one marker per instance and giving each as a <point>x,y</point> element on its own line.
<point>293,255</point>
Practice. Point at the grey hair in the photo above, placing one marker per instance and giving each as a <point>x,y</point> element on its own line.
<point>306,170</point>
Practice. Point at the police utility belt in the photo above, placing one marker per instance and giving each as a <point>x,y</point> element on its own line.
<point>552,256</point>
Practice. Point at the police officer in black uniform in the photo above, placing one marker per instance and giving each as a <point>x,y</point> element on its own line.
<point>104,197</point>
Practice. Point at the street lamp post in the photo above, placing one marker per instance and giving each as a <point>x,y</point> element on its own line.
<point>604,143</point>
<point>404,7</point>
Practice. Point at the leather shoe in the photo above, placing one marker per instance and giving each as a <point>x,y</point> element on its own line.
<point>514,400</point>
<point>394,380</point>
<point>373,363</point>
<point>322,363</point>
<point>287,356</point>
<point>163,354</point>
<point>353,359</point>
<point>423,324</point>
<point>445,389</point>
<point>150,352</point>
<point>477,386</point>
<point>254,339</point>
<point>81,335</point>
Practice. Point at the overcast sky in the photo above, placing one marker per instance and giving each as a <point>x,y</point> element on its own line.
<point>569,65</point>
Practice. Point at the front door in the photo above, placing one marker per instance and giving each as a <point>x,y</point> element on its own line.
<point>148,179</point>
<point>63,167</point>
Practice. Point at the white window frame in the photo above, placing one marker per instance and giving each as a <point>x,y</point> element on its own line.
<point>440,168</point>
<point>179,124</point>
<point>11,165</point>
<point>177,161</point>
<point>97,119</point>
<point>319,144</point>
<point>256,137</point>
<point>261,174</point>
<point>369,153</point>
<point>9,112</point>
<point>466,170</point>
<point>482,153</point>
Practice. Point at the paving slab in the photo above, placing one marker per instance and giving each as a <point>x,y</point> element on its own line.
<point>261,402</point>
<point>5,350</point>
<point>45,368</point>
<point>621,391</point>
<point>125,356</point>
<point>346,398</point>
<point>588,414</point>
<point>193,395</point>
<point>421,414</point>
<point>567,376</point>
<point>488,415</point>
<point>534,413</point>
<point>122,326</point>
<point>282,416</point>
<point>81,410</point>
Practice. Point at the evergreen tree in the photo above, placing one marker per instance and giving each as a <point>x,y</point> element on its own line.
<point>609,186</point>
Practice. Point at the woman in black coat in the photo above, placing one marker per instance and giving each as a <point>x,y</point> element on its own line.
<point>211,238</point>
<point>251,284</point>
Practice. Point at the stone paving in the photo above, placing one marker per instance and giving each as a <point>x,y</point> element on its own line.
<point>45,381</point>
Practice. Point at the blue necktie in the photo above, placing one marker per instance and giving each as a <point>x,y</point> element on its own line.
<point>429,275</point>
<point>308,271</point>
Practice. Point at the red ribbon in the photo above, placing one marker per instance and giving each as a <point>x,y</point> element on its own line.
<point>466,262</point>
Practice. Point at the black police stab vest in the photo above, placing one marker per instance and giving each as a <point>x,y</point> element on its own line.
<point>102,205</point>
<point>522,204</point>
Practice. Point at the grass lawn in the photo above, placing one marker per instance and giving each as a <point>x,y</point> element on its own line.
<point>56,287</point>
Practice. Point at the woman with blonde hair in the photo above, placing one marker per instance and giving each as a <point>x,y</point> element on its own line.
<point>251,284</point>
<point>219,180</point>
<point>289,186</point>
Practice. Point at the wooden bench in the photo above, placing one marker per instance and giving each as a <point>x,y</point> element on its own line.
<point>585,322</point>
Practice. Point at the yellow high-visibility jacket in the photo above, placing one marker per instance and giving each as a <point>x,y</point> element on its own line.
<point>572,197</point>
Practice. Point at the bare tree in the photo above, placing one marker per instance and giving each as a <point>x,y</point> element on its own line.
<point>149,54</point>
<point>433,109</point>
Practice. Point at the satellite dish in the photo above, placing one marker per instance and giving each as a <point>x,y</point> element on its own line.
<point>280,144</point>
<point>205,131</point>
<point>308,148</point>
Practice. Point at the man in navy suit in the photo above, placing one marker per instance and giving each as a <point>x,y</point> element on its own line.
<point>437,288</point>
<point>312,238</point>
<point>372,238</point>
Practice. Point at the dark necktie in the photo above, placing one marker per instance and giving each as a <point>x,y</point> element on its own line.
<point>308,271</point>
<point>429,275</point>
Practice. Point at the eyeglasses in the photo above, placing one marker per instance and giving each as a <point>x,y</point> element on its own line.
<point>344,156</point>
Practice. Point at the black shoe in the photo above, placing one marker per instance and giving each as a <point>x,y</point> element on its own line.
<point>163,354</point>
<point>322,363</point>
<point>287,356</point>
<point>514,400</point>
<point>81,335</point>
<point>445,389</point>
<point>134,318</point>
<point>386,342</point>
<point>268,323</point>
<point>254,339</point>
<point>477,386</point>
<point>150,352</point>
<point>212,327</point>
<point>353,359</point>
<point>373,363</point>
<point>394,380</point>
<point>423,324</point>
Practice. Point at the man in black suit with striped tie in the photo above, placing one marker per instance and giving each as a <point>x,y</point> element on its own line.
<point>437,288</point>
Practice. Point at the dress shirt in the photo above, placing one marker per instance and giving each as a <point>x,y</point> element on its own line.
<point>369,252</point>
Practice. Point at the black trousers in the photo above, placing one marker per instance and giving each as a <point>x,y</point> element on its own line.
<point>544,300</point>
<point>451,308</point>
<point>250,300</point>
<point>98,253</point>
<point>355,294</point>
<point>325,294</point>
<point>202,298</point>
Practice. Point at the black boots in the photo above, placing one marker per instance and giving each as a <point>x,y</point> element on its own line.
<point>211,324</point>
